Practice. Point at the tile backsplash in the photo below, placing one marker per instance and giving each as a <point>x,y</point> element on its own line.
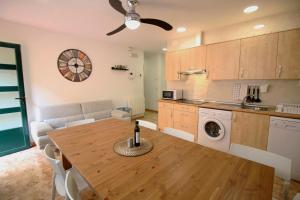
<point>199,87</point>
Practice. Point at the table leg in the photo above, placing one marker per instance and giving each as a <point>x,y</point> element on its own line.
<point>66,164</point>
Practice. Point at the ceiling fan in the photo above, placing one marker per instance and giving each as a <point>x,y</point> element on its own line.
<point>133,19</point>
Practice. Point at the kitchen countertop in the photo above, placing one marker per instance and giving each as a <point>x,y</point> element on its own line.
<point>220,106</point>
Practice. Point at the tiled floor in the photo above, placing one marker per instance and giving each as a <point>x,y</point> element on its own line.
<point>27,176</point>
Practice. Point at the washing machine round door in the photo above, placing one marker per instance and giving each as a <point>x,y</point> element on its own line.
<point>213,129</point>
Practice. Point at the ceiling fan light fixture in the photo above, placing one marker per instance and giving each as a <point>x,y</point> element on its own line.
<point>132,21</point>
<point>132,24</point>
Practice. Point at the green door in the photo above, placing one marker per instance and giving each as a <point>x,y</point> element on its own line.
<point>13,118</point>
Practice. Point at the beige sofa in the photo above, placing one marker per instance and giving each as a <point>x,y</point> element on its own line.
<point>57,117</point>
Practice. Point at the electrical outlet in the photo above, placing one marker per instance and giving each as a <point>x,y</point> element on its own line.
<point>264,88</point>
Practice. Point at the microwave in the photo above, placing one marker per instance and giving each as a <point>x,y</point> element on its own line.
<point>172,94</point>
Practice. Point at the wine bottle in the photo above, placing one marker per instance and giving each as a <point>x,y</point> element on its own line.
<point>137,134</point>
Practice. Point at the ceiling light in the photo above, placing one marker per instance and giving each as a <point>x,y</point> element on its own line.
<point>132,24</point>
<point>165,49</point>
<point>132,21</point>
<point>259,26</point>
<point>250,9</point>
<point>181,29</point>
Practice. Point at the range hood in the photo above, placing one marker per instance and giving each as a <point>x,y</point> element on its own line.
<point>193,71</point>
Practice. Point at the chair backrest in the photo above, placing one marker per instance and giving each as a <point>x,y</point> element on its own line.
<point>180,134</point>
<point>71,186</point>
<point>58,169</point>
<point>80,122</point>
<point>281,164</point>
<point>297,196</point>
<point>147,124</point>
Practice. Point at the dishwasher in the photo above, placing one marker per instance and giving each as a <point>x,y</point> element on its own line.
<point>284,139</point>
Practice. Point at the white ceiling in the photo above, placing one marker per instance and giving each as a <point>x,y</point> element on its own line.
<point>94,18</point>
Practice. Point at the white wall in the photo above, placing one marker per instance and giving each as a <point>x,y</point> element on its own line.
<point>281,91</point>
<point>44,85</point>
<point>154,79</point>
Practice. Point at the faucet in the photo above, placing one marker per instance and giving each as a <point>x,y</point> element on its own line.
<point>244,102</point>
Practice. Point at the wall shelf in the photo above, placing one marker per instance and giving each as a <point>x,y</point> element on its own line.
<point>8,66</point>
<point>9,110</point>
<point>9,88</point>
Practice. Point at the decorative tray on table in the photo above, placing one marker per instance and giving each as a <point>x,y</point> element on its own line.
<point>122,148</point>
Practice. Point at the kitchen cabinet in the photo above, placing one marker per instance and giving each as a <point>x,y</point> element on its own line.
<point>222,60</point>
<point>186,118</point>
<point>258,57</point>
<point>250,129</point>
<point>165,115</point>
<point>185,61</point>
<point>288,59</point>
<point>172,66</point>
<point>197,57</point>
<point>178,116</point>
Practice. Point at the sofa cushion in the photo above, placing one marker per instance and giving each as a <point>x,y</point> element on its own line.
<point>96,106</point>
<point>80,122</point>
<point>61,122</point>
<point>98,115</point>
<point>40,128</point>
<point>119,114</point>
<point>61,111</point>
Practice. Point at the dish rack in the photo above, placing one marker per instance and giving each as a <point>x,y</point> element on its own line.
<point>288,108</point>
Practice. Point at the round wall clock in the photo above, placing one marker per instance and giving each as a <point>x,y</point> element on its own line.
<point>74,65</point>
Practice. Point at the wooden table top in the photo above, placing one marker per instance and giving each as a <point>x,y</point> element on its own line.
<point>174,169</point>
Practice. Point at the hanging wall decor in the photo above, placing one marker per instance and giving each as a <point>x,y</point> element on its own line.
<point>74,65</point>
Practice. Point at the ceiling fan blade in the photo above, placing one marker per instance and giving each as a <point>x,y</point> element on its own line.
<point>117,5</point>
<point>157,22</point>
<point>117,30</point>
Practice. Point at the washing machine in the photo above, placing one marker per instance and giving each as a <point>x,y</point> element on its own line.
<point>214,128</point>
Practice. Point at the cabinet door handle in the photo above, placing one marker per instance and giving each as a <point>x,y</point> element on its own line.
<point>178,76</point>
<point>242,73</point>
<point>279,71</point>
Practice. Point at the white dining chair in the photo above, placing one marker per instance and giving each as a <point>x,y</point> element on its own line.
<point>59,174</point>
<point>80,122</point>
<point>297,196</point>
<point>71,186</point>
<point>147,124</point>
<point>281,164</point>
<point>179,134</point>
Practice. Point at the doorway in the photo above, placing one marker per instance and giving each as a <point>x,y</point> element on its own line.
<point>154,79</point>
<point>14,134</point>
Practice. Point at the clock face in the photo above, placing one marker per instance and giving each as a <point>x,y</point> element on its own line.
<point>74,65</point>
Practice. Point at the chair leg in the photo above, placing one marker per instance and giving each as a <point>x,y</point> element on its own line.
<point>53,187</point>
<point>286,188</point>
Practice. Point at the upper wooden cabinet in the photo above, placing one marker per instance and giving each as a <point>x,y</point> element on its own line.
<point>178,61</point>
<point>197,57</point>
<point>172,65</point>
<point>258,57</point>
<point>269,56</point>
<point>185,61</point>
<point>288,59</point>
<point>223,59</point>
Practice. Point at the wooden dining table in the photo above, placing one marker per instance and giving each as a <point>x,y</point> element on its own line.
<point>174,169</point>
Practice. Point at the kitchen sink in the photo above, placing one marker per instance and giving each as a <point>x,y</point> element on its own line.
<point>250,106</point>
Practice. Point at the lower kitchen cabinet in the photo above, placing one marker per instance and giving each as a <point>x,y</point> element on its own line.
<point>250,129</point>
<point>177,116</point>
<point>186,119</point>
<point>165,115</point>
